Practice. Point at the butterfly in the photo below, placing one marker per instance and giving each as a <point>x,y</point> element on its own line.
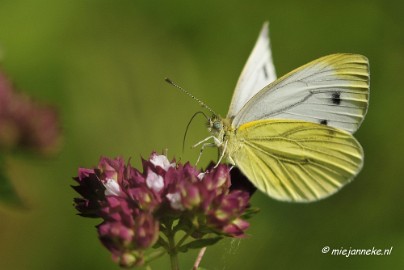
<point>292,136</point>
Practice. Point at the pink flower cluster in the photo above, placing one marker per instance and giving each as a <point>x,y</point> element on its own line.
<point>136,207</point>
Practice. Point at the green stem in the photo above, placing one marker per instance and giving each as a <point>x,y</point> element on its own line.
<point>155,255</point>
<point>173,253</point>
<point>174,261</point>
<point>172,249</point>
<point>182,240</point>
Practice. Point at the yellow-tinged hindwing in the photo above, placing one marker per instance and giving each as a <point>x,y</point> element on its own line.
<point>292,160</point>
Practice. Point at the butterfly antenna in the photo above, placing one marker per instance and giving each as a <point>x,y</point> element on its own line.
<point>189,123</point>
<point>203,104</point>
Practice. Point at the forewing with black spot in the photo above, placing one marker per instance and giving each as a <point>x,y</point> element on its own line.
<point>332,90</point>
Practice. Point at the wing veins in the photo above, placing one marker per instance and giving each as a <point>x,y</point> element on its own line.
<point>306,149</point>
<point>318,118</point>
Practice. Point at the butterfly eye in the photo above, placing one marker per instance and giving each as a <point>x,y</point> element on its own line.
<point>217,125</point>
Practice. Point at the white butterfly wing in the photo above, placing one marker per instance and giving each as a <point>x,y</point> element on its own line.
<point>332,90</point>
<point>258,72</point>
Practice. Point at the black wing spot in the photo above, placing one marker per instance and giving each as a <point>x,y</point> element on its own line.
<point>324,122</point>
<point>336,98</point>
<point>264,68</point>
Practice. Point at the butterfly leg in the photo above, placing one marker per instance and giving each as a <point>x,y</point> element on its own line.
<point>216,143</point>
<point>233,164</point>
<point>222,154</point>
<point>203,141</point>
<point>203,148</point>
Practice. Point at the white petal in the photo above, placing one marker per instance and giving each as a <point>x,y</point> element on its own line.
<point>154,181</point>
<point>111,187</point>
<point>161,161</point>
<point>175,201</point>
<point>201,176</point>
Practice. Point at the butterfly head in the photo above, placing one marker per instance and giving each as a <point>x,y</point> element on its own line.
<point>219,126</point>
<point>215,124</point>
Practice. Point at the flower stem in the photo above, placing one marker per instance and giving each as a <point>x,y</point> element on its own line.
<point>155,255</point>
<point>173,253</point>
<point>199,258</point>
<point>172,248</point>
<point>182,240</point>
<point>174,261</point>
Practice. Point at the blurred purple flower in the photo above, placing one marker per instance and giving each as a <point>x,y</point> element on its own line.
<point>24,123</point>
<point>136,207</point>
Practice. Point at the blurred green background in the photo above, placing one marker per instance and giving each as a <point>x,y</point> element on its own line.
<point>103,63</point>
